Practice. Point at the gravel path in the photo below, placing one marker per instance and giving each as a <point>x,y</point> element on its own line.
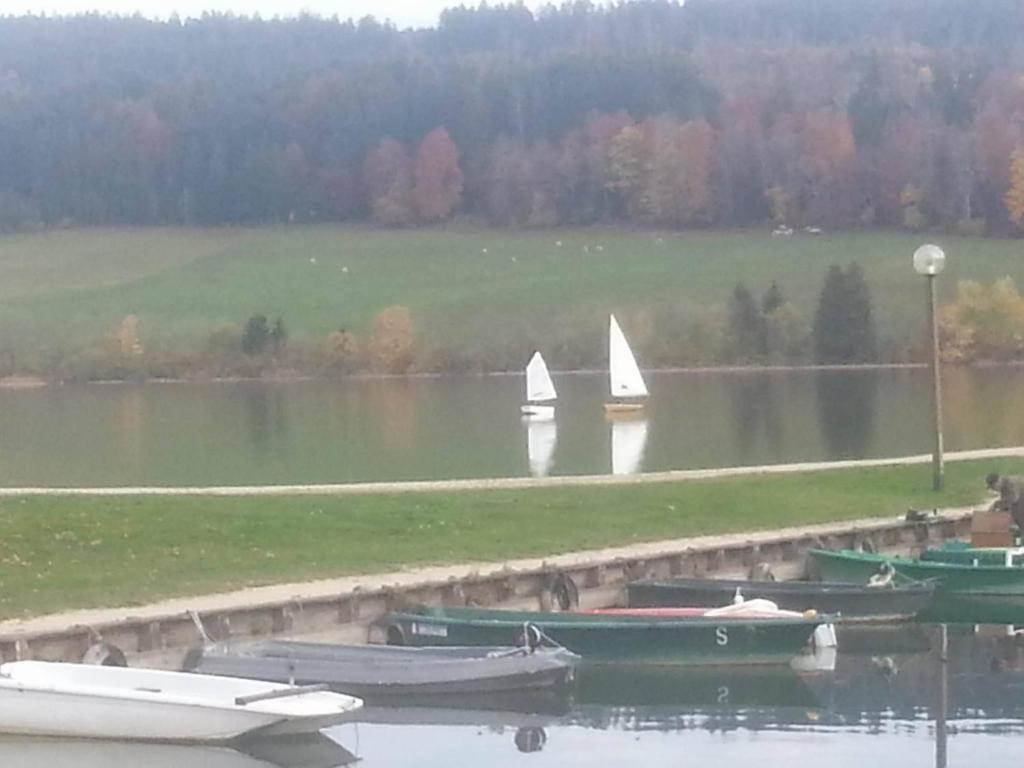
<point>508,483</point>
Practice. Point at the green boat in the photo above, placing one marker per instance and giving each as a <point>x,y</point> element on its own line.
<point>858,567</point>
<point>963,553</point>
<point>692,640</point>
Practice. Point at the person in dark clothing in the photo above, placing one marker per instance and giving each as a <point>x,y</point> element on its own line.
<point>1011,496</point>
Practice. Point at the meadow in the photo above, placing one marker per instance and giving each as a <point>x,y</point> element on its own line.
<point>70,552</point>
<point>489,294</point>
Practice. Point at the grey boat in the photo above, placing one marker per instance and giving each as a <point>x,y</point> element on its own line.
<point>380,671</point>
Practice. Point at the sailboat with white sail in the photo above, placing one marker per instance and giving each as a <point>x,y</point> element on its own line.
<point>629,439</point>
<point>540,390</point>
<point>541,438</point>
<point>627,384</point>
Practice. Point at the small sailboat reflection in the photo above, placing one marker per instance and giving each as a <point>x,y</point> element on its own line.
<point>541,438</point>
<point>629,439</point>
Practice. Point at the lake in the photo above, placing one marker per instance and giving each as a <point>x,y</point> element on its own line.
<point>890,702</point>
<point>421,428</point>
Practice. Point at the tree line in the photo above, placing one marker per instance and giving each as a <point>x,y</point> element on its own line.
<point>899,113</point>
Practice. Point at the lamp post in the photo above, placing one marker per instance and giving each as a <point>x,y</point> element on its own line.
<point>929,261</point>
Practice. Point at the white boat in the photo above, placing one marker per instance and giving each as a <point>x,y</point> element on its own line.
<point>627,384</point>
<point>540,389</point>
<point>541,438</point>
<point>629,438</point>
<point>39,698</point>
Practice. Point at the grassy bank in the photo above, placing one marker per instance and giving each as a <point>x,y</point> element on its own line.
<point>60,552</point>
<point>486,296</point>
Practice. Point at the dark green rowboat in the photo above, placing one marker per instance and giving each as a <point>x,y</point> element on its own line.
<point>700,640</point>
<point>858,567</point>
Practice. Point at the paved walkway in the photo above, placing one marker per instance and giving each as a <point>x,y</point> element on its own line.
<point>509,483</point>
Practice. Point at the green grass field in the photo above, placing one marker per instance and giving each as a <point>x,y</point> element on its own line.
<point>480,288</point>
<point>63,552</point>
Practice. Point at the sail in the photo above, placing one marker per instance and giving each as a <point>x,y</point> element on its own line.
<point>629,438</point>
<point>539,387</point>
<point>626,380</point>
<point>541,437</point>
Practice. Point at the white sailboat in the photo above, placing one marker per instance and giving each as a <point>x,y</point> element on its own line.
<point>629,438</point>
<point>541,437</point>
<point>627,384</point>
<point>540,389</point>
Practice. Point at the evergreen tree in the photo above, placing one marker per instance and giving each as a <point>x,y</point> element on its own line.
<point>256,335</point>
<point>772,299</point>
<point>844,328</point>
<point>747,326</point>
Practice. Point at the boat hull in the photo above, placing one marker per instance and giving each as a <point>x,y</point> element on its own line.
<point>80,701</point>
<point>858,567</point>
<point>538,412</point>
<point>623,409</point>
<point>851,602</point>
<point>967,555</point>
<point>384,672</point>
<point>599,638</point>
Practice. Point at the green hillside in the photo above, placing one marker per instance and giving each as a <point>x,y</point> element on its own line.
<point>489,293</point>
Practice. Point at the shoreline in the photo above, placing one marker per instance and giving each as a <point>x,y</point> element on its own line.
<point>512,483</point>
<point>14,383</point>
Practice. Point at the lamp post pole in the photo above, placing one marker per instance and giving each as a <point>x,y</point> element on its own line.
<point>929,260</point>
<point>938,469</point>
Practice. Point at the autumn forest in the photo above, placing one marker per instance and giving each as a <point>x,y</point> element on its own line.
<point>719,113</point>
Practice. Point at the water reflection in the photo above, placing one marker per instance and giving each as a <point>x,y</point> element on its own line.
<point>846,411</point>
<point>441,428</point>
<point>891,683</point>
<point>629,439</point>
<point>541,438</point>
<point>310,751</point>
<point>266,416</point>
<point>756,414</point>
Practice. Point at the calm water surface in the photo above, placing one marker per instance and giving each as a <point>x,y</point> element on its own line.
<point>464,427</point>
<point>889,702</point>
<point>882,706</point>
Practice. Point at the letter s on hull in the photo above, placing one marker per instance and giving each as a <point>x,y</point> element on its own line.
<point>722,636</point>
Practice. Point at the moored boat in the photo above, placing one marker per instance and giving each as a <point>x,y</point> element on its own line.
<point>691,640</point>
<point>851,602</point>
<point>386,671</point>
<point>81,701</point>
<point>858,567</point>
<point>964,554</point>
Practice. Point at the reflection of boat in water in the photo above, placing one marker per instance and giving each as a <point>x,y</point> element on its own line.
<point>629,438</point>
<point>308,751</point>
<point>642,685</point>
<point>541,438</point>
<point>902,682</point>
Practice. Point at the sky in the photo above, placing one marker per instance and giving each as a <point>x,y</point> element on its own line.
<point>404,13</point>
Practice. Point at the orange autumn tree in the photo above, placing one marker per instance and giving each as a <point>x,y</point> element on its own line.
<point>438,178</point>
<point>1015,194</point>
<point>387,175</point>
